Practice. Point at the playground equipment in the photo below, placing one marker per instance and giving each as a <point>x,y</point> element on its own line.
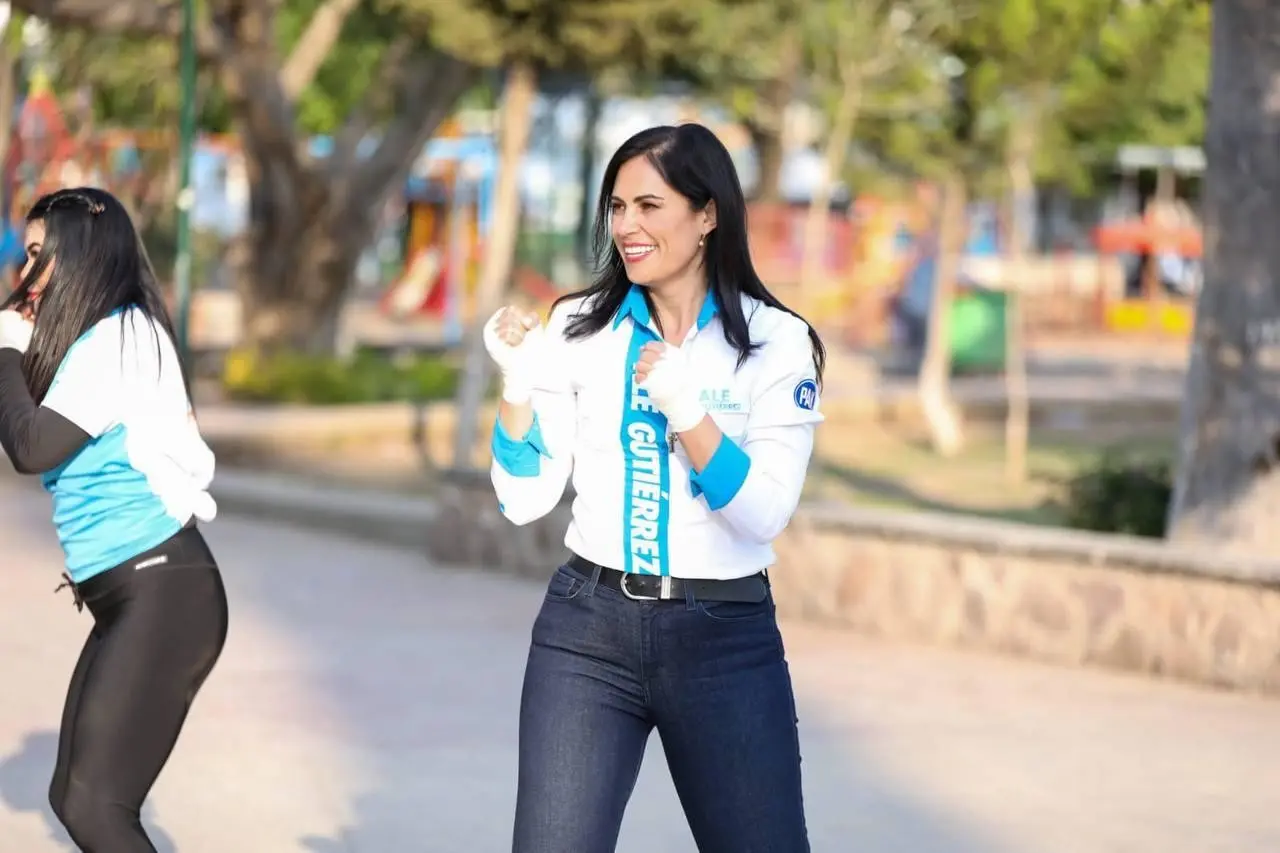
<point>51,148</point>
<point>42,140</point>
<point>1154,309</point>
<point>449,211</point>
<point>1166,237</point>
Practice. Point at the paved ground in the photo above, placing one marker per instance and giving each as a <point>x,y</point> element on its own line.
<point>366,704</point>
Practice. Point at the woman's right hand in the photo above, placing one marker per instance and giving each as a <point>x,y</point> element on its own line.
<point>510,337</point>
<point>506,330</point>
<point>15,330</point>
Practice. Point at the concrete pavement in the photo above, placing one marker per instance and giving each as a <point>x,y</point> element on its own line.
<point>366,703</point>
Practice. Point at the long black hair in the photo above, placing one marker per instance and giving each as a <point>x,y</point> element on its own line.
<point>99,266</point>
<point>693,162</point>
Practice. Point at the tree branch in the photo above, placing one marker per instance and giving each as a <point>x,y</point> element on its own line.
<point>161,18</point>
<point>313,46</point>
<point>392,75</point>
<point>251,79</point>
<point>903,108</point>
<point>430,87</point>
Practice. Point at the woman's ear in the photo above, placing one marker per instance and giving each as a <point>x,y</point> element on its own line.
<point>709,217</point>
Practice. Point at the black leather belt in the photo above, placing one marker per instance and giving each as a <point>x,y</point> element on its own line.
<point>749,590</point>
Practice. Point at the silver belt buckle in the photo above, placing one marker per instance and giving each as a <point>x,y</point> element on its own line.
<point>664,590</point>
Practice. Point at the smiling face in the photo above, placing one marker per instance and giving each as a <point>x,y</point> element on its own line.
<point>655,229</point>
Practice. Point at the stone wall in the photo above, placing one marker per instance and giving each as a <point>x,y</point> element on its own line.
<point>1061,596</point>
<point>468,530</point>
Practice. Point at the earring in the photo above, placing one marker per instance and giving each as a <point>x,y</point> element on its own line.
<point>702,239</point>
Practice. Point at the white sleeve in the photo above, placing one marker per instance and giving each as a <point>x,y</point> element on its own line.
<point>756,486</point>
<point>529,472</point>
<point>88,386</point>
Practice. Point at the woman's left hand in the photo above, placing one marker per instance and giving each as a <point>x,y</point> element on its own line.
<point>650,354</point>
<point>662,373</point>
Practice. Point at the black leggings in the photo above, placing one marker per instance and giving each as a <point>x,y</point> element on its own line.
<point>160,622</point>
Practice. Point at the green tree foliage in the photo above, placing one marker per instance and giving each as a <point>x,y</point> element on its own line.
<point>1087,75</point>
<point>131,80</point>
<point>748,56</point>
<point>562,35</point>
<point>133,83</point>
<point>738,48</point>
<point>1145,82</point>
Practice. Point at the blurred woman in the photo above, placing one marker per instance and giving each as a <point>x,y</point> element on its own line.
<point>94,399</point>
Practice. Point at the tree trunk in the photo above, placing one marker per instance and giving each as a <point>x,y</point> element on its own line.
<point>767,142</point>
<point>1017,425</point>
<point>587,170</point>
<point>940,411</point>
<point>767,127</point>
<point>1228,484</point>
<point>819,213</point>
<point>301,310</point>
<point>295,263</point>
<point>519,92</point>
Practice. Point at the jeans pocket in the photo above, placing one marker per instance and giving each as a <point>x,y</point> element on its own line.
<point>736,611</point>
<point>565,585</point>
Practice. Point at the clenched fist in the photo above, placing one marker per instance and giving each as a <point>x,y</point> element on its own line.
<point>511,325</point>
<point>15,330</point>
<point>513,338</point>
<point>662,371</point>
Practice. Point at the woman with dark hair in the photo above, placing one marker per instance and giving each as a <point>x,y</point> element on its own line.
<point>682,398</point>
<point>93,397</point>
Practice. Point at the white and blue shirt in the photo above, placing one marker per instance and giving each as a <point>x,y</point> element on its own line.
<point>145,472</point>
<point>639,505</point>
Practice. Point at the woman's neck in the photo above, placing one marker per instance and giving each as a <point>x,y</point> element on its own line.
<point>677,304</point>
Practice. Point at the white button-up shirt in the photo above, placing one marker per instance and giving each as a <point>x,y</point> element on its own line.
<point>639,505</point>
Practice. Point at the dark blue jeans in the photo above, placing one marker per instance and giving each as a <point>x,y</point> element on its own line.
<point>604,671</point>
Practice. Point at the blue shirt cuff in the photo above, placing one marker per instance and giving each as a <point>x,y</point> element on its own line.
<point>519,457</point>
<point>723,476</point>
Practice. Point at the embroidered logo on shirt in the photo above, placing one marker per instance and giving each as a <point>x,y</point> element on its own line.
<point>719,400</point>
<point>806,394</point>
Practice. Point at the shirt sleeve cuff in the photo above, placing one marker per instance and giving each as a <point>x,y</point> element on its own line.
<point>519,457</point>
<point>724,475</point>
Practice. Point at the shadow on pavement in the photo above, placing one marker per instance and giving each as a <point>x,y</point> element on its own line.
<point>24,788</point>
<point>420,672</point>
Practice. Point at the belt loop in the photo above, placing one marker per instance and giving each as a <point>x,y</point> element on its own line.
<point>594,581</point>
<point>690,603</point>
